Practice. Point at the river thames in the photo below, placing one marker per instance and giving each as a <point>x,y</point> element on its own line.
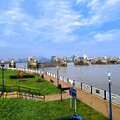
<point>94,75</point>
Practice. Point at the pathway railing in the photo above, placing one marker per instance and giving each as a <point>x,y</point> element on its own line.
<point>92,90</point>
<point>22,92</point>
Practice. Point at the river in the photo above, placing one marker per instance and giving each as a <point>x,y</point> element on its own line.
<point>94,75</point>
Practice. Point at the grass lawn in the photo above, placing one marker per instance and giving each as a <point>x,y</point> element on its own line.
<point>44,87</point>
<point>17,109</point>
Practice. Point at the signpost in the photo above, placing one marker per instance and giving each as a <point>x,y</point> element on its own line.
<point>73,95</point>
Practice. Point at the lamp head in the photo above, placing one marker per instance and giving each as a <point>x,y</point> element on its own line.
<point>109,74</point>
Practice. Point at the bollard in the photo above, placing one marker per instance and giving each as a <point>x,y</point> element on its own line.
<point>15,94</point>
<point>104,94</point>
<point>91,89</point>
<point>4,95</point>
<point>81,86</point>
<point>42,97</point>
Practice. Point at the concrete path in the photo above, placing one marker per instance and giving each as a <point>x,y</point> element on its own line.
<point>97,103</point>
<point>56,97</point>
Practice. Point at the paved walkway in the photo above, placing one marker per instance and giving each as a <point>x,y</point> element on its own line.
<point>97,103</point>
<point>56,97</point>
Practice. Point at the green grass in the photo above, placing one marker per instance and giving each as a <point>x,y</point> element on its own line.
<point>44,87</point>
<point>17,109</point>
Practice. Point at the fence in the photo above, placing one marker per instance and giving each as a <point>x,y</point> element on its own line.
<point>93,90</point>
<point>22,92</point>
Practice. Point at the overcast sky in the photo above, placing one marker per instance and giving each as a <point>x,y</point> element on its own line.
<point>59,27</point>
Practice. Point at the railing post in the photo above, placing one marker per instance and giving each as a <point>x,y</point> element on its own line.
<point>61,93</point>
<point>104,94</point>
<point>44,98</point>
<point>32,96</point>
<point>29,93</point>
<point>81,86</point>
<point>2,78</point>
<point>5,89</point>
<point>19,91</point>
<point>73,82</point>
<point>91,89</point>
<point>67,80</point>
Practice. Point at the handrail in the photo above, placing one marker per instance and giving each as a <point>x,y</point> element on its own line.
<point>91,89</point>
<point>22,89</point>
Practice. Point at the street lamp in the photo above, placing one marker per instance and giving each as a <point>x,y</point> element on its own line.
<point>2,65</point>
<point>110,98</point>
<point>57,77</point>
<point>43,71</point>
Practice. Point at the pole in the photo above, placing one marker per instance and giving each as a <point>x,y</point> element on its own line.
<point>61,93</point>
<point>57,77</point>
<point>42,72</point>
<point>110,98</point>
<point>2,78</point>
<point>110,101</point>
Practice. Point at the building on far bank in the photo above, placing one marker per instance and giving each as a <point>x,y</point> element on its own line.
<point>32,62</point>
<point>12,63</point>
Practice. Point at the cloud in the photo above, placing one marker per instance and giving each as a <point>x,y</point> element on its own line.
<point>42,23</point>
<point>81,1</point>
<point>99,12</point>
<point>94,38</point>
<point>57,21</point>
<point>108,36</point>
<point>55,24</point>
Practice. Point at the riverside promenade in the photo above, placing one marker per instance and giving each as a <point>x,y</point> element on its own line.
<point>95,102</point>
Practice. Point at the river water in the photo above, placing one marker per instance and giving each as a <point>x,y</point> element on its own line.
<point>94,75</point>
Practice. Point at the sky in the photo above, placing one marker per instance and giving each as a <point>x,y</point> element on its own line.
<point>59,28</point>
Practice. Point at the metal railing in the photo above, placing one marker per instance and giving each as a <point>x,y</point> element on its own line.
<point>93,90</point>
<point>21,92</point>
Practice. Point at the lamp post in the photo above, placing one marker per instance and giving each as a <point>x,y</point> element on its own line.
<point>43,71</point>
<point>110,98</point>
<point>2,65</point>
<point>57,77</point>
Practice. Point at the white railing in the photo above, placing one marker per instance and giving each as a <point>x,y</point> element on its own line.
<point>93,90</point>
